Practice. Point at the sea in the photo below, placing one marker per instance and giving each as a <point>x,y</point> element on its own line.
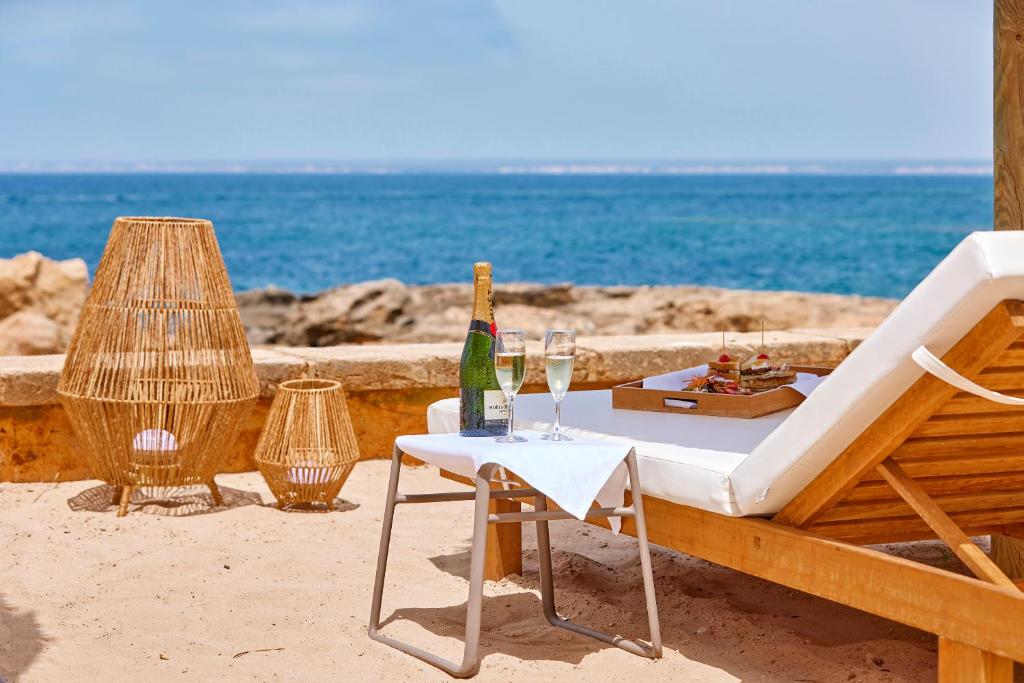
<point>869,234</point>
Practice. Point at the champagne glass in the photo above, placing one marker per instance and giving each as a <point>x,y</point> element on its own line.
<point>510,367</point>
<point>559,354</point>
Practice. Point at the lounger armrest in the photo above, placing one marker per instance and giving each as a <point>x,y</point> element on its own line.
<point>933,365</point>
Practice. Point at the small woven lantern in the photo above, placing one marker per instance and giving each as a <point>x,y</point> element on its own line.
<point>307,448</point>
<point>158,377</point>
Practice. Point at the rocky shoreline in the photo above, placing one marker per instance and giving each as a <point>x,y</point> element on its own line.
<point>390,311</point>
<point>40,300</point>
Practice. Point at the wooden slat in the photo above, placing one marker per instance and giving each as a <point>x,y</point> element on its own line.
<point>931,599</point>
<point>1001,379</point>
<point>965,425</point>
<point>899,508</point>
<point>911,528</point>
<point>1011,357</point>
<point>939,486</point>
<point>944,527</point>
<point>990,337</point>
<point>938,466</point>
<point>987,444</point>
<point>964,403</point>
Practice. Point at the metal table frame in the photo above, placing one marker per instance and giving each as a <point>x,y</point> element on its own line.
<point>483,494</point>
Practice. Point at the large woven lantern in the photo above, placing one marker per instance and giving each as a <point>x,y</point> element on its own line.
<point>158,377</point>
<point>307,448</point>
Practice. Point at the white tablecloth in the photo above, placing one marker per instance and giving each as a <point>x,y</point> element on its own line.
<point>573,474</point>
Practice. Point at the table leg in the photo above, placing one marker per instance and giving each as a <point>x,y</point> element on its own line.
<point>504,553</point>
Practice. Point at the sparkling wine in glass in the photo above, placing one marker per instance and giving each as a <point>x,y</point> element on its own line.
<point>559,354</point>
<point>510,367</point>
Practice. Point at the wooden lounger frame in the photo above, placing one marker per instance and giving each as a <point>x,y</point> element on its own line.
<point>938,463</point>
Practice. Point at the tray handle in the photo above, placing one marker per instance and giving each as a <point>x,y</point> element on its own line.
<point>679,403</point>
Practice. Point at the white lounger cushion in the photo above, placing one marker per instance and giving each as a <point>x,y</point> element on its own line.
<point>984,269</point>
<point>754,467</point>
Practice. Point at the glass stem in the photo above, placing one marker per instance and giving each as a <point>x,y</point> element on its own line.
<point>511,412</point>
<point>558,416</point>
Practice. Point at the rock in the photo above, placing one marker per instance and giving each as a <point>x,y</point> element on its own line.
<point>40,301</point>
<point>55,289</point>
<point>27,333</point>
<point>539,296</point>
<point>358,313</point>
<point>266,313</point>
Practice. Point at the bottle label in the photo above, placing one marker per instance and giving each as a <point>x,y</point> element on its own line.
<point>495,405</point>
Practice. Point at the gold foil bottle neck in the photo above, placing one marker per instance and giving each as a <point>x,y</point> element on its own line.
<point>482,269</point>
<point>482,307</point>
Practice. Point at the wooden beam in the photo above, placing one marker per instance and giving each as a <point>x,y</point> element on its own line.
<point>957,607</point>
<point>986,341</point>
<point>944,527</point>
<point>1008,113</point>
<point>959,663</point>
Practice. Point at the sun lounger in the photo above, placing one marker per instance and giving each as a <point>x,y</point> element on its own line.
<point>883,451</point>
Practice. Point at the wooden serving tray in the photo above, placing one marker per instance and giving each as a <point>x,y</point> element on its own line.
<point>633,396</point>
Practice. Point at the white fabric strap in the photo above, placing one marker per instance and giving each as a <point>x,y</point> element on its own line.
<point>931,364</point>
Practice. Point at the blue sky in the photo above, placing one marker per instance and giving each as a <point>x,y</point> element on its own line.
<point>131,80</point>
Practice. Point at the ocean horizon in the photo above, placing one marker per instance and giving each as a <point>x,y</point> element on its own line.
<point>868,228</point>
<point>945,167</point>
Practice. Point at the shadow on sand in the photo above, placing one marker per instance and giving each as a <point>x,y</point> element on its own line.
<point>176,501</point>
<point>708,614</point>
<point>339,505</point>
<point>21,641</point>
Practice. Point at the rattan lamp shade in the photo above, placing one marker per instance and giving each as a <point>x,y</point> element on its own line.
<point>307,448</point>
<point>158,377</point>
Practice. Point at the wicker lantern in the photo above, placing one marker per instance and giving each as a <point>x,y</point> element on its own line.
<point>158,377</point>
<point>307,448</point>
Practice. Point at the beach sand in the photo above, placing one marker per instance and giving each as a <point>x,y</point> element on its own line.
<point>250,593</point>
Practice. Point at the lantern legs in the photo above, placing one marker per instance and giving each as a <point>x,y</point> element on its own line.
<point>218,499</point>
<point>123,495</point>
<point>126,496</point>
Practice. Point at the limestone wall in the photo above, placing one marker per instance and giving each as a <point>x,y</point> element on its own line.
<point>388,386</point>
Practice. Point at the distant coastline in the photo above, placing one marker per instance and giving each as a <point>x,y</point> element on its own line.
<point>941,167</point>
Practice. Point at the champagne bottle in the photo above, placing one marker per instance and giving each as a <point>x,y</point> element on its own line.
<point>483,408</point>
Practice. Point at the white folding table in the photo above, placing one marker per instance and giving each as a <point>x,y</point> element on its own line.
<point>572,474</point>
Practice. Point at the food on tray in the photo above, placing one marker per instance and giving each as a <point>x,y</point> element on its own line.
<point>760,374</point>
<point>755,374</point>
<point>712,383</point>
<point>725,366</point>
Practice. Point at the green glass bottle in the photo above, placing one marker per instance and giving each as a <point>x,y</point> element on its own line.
<point>483,407</point>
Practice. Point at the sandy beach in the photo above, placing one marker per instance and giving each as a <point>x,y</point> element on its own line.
<point>175,591</point>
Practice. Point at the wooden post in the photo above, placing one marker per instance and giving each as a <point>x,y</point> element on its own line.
<point>504,554</point>
<point>1008,157</point>
<point>1008,110</point>
<point>959,663</point>
<point>1008,554</point>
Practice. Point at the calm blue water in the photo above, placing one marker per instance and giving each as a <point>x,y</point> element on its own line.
<point>845,234</point>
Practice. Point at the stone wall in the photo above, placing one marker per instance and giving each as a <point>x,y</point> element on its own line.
<point>389,387</point>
